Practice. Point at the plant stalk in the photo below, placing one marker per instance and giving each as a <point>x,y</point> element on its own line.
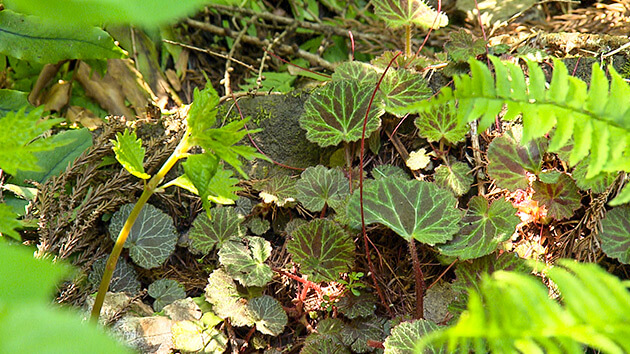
<point>149,189</point>
<point>407,41</point>
<point>419,280</point>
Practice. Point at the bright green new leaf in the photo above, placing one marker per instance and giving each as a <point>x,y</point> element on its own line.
<point>152,237</point>
<point>319,186</point>
<point>268,315</point>
<point>32,39</point>
<point>97,12</point>
<point>203,111</point>
<point>124,278</point>
<point>322,249</point>
<point>484,227</point>
<point>223,294</point>
<point>12,101</point>
<point>615,234</point>
<point>130,153</point>
<point>165,292</point>
<point>441,123</point>
<point>200,169</point>
<point>19,144</point>
<point>221,189</point>
<point>194,337</point>
<point>207,233</point>
<point>413,209</point>
<point>244,260</point>
<point>401,88</point>
<point>9,222</point>
<point>455,177</point>
<point>404,337</point>
<point>398,13</point>
<point>335,113</point>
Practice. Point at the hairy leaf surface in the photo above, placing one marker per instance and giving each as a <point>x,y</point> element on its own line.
<point>359,331</point>
<point>222,293</point>
<point>268,315</point>
<point>561,198</point>
<point>356,71</point>
<point>130,153</point>
<point>401,88</point>
<point>441,123</point>
<point>206,233</point>
<point>404,337</point>
<point>455,177</point>
<point>124,278</point>
<point>319,186</point>
<point>615,234</point>
<point>244,260</point>
<point>165,292</point>
<point>398,13</point>
<point>279,190</point>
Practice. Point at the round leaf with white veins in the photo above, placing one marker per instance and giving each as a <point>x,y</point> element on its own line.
<point>404,337</point>
<point>402,88</point>
<point>356,70</point>
<point>124,279</point>
<point>152,237</point>
<point>485,226</point>
<point>335,113</point>
<point>244,260</point>
<point>411,208</point>
<point>455,177</point>
<point>441,123</point>
<point>399,13</point>
<point>279,190</point>
<point>258,226</point>
<point>268,315</point>
<point>165,292</point>
<point>207,234</point>
<point>615,235</point>
<point>561,198</point>
<point>319,186</point>
<point>322,249</point>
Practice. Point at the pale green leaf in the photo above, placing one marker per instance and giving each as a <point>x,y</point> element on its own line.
<point>418,159</point>
<point>399,13</point>
<point>244,260</point>
<point>404,337</point>
<point>130,153</point>
<point>192,336</point>
<point>165,292</point>
<point>200,169</point>
<point>279,190</point>
<point>455,177</point>
<point>207,233</point>
<point>268,315</point>
<point>441,123</point>
<point>222,293</point>
<point>9,222</point>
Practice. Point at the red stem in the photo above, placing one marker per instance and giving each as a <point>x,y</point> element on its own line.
<point>297,66</point>
<point>419,280</point>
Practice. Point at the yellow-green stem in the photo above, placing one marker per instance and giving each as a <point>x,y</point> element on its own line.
<point>149,189</point>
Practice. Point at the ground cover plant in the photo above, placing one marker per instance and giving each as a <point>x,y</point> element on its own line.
<point>501,169</point>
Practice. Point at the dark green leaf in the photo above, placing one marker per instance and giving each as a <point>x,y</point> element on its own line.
<point>244,260</point>
<point>400,13</point>
<point>12,101</point>
<point>357,333</point>
<point>462,45</point>
<point>130,153</point>
<point>384,171</point>
<point>455,177</point>
<point>404,337</point>
<point>322,249</point>
<point>485,226</point>
<point>32,39</point>
<point>206,233</point>
<point>327,338</point>
<point>357,306</point>
<point>165,292</point>
<point>152,237</point>
<point>335,113</point>
<point>615,235</point>
<point>319,186</point>
<point>441,123</point>
<point>124,279</point>
<point>597,184</point>
<point>560,199</point>
<point>401,88</point>
<point>268,315</point>
<point>411,208</point>
<point>356,71</point>
<point>258,226</point>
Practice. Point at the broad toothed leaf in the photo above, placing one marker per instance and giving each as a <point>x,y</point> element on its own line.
<point>359,331</point>
<point>322,249</point>
<point>124,279</point>
<point>404,337</point>
<point>357,306</point>
<point>399,13</point>
<point>319,186</point>
<point>268,315</point>
<point>615,235</point>
<point>244,260</point>
<point>335,113</point>
<point>278,190</point>
<point>152,237</point>
<point>165,292</point>
<point>222,293</point>
<point>327,338</point>
<point>411,208</point>
<point>485,226</point>
<point>200,169</point>
<point>455,177</point>
<point>561,198</point>
<point>462,45</point>
<point>418,159</point>
<point>258,226</point>
<point>401,88</point>
<point>596,184</point>
<point>357,71</point>
<point>207,233</point>
<point>441,123</point>
<point>130,153</point>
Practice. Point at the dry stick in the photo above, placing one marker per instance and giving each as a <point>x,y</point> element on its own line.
<point>365,237</point>
<point>208,51</point>
<point>228,62</point>
<point>474,138</point>
<point>220,31</point>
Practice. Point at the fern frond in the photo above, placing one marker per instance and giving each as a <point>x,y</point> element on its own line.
<point>512,312</point>
<point>595,120</point>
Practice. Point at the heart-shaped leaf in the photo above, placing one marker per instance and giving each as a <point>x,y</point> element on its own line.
<point>206,233</point>
<point>268,315</point>
<point>124,279</point>
<point>356,71</point>
<point>222,293</point>
<point>455,177</point>
<point>130,153</point>
<point>319,186</point>
<point>258,226</point>
<point>401,88</point>
<point>615,235</point>
<point>413,209</point>
<point>399,13</point>
<point>335,113</point>
<point>278,190</point>
<point>165,292</point>
<point>322,249</point>
<point>404,337</point>
<point>441,123</point>
<point>508,161</point>
<point>462,45</point>
<point>561,198</point>
<point>152,237</point>
<point>244,260</point>
<point>485,226</point>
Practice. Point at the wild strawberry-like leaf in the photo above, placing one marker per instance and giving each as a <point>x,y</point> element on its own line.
<point>485,226</point>
<point>206,233</point>
<point>319,186</point>
<point>470,274</point>
<point>165,292</point>
<point>615,235</point>
<point>404,337</point>
<point>356,71</point>
<point>508,161</point>
<point>596,184</point>
<point>152,237</point>
<point>199,170</point>
<point>322,249</point>
<point>384,171</point>
<point>462,45</point>
<point>130,153</point>
<point>357,306</point>
<point>561,198</point>
<point>455,177</point>
<point>359,331</point>
<point>268,315</point>
<point>195,337</point>
<point>441,123</point>
<point>399,13</point>
<point>124,279</point>
<point>401,88</point>
<point>327,338</point>
<point>413,209</point>
<point>244,260</point>
<point>258,226</point>
<point>335,113</point>
<point>279,190</point>
<point>222,293</point>
<point>221,189</point>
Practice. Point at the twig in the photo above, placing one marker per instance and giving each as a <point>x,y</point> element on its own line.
<point>228,63</point>
<point>208,51</point>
